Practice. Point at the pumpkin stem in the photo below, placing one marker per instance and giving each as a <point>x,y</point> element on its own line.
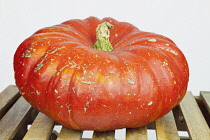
<point>102,36</point>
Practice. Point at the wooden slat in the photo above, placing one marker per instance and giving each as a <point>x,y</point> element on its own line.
<point>7,98</point>
<point>108,135</point>
<point>14,119</point>
<point>69,134</point>
<point>205,96</point>
<point>196,124</point>
<point>139,133</point>
<point>40,129</point>
<point>166,128</point>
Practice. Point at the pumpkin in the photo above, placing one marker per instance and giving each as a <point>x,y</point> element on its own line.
<point>100,75</point>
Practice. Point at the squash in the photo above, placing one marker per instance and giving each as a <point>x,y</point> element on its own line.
<point>100,75</point>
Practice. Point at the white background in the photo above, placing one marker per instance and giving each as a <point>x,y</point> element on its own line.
<point>186,22</point>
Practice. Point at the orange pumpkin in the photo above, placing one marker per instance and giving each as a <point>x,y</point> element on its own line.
<point>119,77</point>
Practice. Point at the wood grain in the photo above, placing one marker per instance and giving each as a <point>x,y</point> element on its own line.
<point>69,134</point>
<point>15,115</point>
<point>7,99</point>
<point>196,124</point>
<point>108,135</point>
<point>205,96</point>
<point>13,120</point>
<point>166,128</point>
<point>139,133</point>
<point>40,129</point>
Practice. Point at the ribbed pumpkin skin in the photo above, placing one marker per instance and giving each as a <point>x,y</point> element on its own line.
<point>59,73</point>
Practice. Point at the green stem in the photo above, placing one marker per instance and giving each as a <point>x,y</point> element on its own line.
<point>102,36</point>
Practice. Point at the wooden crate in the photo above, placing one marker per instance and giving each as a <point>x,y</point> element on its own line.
<point>191,115</point>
